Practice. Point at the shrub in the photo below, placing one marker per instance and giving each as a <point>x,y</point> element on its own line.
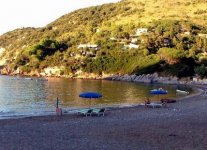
<point>199,11</point>
<point>171,55</point>
<point>201,70</point>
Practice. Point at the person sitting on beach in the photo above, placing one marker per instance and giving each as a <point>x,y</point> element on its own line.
<point>164,103</point>
<point>147,101</point>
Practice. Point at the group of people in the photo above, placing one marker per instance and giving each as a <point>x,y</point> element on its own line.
<point>147,102</point>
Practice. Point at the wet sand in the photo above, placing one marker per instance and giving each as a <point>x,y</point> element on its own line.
<point>180,126</point>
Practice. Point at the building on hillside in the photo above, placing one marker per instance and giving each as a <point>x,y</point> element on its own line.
<point>141,31</point>
<point>89,46</point>
<point>2,49</point>
<point>167,41</point>
<point>72,54</point>
<point>98,30</point>
<point>134,40</point>
<point>130,46</point>
<point>202,35</point>
<point>88,49</point>
<point>113,39</point>
<point>186,33</point>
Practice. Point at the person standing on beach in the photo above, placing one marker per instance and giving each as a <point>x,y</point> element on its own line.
<point>58,110</point>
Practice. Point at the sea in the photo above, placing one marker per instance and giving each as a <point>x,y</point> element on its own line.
<point>26,96</point>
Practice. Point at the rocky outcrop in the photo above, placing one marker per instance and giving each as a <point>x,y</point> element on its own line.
<point>197,80</point>
<point>145,78</point>
<point>155,78</point>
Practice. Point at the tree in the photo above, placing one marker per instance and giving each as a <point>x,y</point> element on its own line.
<point>171,55</point>
<point>201,70</point>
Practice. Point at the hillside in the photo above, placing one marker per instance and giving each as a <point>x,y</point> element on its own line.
<point>105,40</point>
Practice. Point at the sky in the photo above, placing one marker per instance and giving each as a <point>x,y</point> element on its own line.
<point>38,13</point>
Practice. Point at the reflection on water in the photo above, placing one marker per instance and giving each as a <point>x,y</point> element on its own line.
<point>25,96</point>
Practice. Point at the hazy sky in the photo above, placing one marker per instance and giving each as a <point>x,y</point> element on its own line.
<point>37,13</point>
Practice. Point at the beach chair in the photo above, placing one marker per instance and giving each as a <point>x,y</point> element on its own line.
<point>85,112</point>
<point>204,93</point>
<point>98,111</point>
<point>155,105</point>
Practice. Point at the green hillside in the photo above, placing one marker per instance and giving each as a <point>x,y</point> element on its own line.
<point>106,39</point>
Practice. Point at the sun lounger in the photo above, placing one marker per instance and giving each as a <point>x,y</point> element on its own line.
<point>99,111</point>
<point>85,112</point>
<point>204,93</point>
<point>155,105</point>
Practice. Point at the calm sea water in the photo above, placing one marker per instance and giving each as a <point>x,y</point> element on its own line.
<point>33,96</point>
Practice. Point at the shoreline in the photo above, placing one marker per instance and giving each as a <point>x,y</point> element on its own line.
<point>72,111</point>
<point>144,78</point>
<point>115,106</point>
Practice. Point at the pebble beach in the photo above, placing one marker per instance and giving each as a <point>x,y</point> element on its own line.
<point>181,125</point>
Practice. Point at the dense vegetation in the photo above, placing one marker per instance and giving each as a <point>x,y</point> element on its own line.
<point>175,43</point>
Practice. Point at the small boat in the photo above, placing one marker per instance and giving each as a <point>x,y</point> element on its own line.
<point>158,91</point>
<point>166,100</point>
<point>182,92</point>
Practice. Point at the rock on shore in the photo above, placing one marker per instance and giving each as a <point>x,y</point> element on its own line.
<point>155,78</point>
<point>148,78</point>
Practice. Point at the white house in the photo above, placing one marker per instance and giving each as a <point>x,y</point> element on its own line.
<point>202,35</point>
<point>141,31</point>
<point>113,38</point>
<point>2,50</point>
<point>98,30</point>
<point>92,46</point>
<point>134,40</point>
<point>187,33</point>
<point>131,45</point>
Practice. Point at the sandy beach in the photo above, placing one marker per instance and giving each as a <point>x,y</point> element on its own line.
<point>180,126</point>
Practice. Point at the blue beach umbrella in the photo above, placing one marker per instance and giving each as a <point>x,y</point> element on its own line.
<point>158,92</point>
<point>90,95</point>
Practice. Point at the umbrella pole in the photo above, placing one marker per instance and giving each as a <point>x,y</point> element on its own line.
<point>57,103</point>
<point>90,103</point>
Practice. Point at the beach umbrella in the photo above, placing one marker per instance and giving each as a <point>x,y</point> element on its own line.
<point>90,95</point>
<point>158,92</point>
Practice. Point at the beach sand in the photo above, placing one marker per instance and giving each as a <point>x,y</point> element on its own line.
<point>180,126</point>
